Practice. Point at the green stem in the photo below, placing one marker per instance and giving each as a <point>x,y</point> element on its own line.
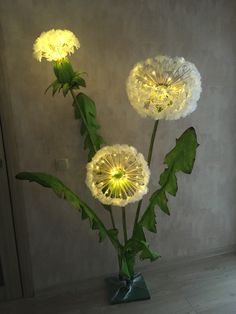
<point>112,219</point>
<point>124,224</point>
<point>152,142</point>
<point>94,146</point>
<point>150,151</point>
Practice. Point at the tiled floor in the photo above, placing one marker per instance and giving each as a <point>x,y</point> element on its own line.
<point>206,286</point>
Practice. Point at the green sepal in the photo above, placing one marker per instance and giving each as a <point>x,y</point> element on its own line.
<point>65,89</point>
<point>56,87</point>
<point>180,158</point>
<point>77,81</point>
<point>64,71</point>
<point>67,78</point>
<point>62,191</point>
<point>51,85</point>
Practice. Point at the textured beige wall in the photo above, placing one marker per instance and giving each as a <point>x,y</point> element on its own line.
<point>114,35</point>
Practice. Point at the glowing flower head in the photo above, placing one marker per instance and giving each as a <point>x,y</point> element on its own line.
<point>118,175</point>
<point>164,88</point>
<point>55,45</point>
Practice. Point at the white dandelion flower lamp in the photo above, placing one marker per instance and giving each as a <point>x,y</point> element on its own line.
<point>164,88</point>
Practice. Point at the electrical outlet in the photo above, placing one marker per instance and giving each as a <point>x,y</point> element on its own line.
<point>62,164</point>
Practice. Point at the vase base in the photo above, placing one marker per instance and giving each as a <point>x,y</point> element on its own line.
<point>123,291</point>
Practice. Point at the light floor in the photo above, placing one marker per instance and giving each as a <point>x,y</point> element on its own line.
<point>205,286</point>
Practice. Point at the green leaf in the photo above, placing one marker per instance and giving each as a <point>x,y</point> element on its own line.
<point>171,181</point>
<point>113,236</point>
<point>62,191</point>
<point>180,158</point>
<point>127,266</point>
<point>82,128</point>
<point>159,198</point>
<point>135,246</point>
<point>138,232</point>
<point>85,110</point>
<point>142,244</point>
<point>126,262</point>
<point>148,253</point>
<point>148,219</point>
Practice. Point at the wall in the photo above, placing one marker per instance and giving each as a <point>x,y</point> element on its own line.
<point>114,35</point>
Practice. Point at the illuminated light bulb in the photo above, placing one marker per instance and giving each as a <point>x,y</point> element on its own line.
<point>55,45</point>
<point>122,177</point>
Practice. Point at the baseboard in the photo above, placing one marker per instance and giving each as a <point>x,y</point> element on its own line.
<point>159,266</point>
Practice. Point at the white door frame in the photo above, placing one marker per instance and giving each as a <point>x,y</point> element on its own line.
<point>15,188</point>
<point>8,250</point>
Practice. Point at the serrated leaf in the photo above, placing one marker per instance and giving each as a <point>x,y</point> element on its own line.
<point>82,129</point>
<point>126,262</point>
<point>148,253</point>
<point>134,246</point>
<point>113,235</point>
<point>180,158</point>
<point>85,110</point>
<point>61,190</point>
<point>159,198</point>
<point>138,232</point>
<point>86,142</point>
<point>148,219</point>
<point>84,216</point>
<point>94,225</point>
<point>171,181</point>
<point>78,115</point>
